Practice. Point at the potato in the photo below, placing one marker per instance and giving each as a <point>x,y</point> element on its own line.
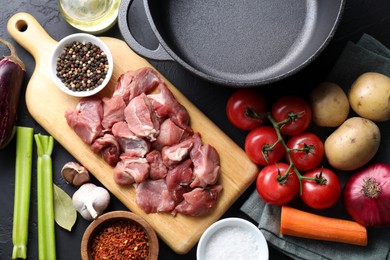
<point>352,144</point>
<point>369,96</point>
<point>329,104</point>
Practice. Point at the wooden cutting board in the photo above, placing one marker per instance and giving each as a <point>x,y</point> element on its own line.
<point>47,106</point>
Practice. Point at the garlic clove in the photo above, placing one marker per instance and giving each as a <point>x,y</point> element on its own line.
<point>86,214</point>
<point>101,200</point>
<point>75,174</point>
<point>89,212</point>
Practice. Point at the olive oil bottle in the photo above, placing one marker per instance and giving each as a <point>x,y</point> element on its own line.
<point>92,16</point>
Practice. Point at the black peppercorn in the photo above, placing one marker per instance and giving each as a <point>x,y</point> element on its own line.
<point>79,64</point>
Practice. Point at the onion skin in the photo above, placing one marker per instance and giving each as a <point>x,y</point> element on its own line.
<point>369,206</point>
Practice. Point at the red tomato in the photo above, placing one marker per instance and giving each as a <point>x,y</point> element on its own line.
<point>294,108</point>
<point>244,107</point>
<point>257,143</point>
<point>321,195</point>
<point>272,188</point>
<point>307,151</point>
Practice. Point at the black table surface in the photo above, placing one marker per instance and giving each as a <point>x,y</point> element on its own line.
<point>360,16</point>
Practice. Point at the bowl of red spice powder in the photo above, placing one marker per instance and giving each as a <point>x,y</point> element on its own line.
<point>119,235</point>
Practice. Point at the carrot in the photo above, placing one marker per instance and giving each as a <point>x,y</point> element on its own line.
<point>298,223</point>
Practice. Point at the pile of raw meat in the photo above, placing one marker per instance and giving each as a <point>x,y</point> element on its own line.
<point>144,133</point>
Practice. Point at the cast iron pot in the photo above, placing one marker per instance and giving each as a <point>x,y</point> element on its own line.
<point>237,43</point>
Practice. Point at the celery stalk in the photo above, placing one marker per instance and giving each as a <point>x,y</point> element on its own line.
<point>23,164</point>
<point>45,197</point>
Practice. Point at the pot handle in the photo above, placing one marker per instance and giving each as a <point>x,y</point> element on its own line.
<point>158,54</point>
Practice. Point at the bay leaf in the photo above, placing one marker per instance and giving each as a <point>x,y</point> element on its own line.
<point>65,214</point>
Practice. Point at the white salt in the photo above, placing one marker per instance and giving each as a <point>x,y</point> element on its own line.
<point>232,243</point>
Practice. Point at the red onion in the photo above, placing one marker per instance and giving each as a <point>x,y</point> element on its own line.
<point>367,195</point>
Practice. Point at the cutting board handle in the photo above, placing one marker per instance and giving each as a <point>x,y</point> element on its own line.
<point>27,31</point>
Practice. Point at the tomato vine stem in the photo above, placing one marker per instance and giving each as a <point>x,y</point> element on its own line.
<point>254,115</point>
<point>277,126</point>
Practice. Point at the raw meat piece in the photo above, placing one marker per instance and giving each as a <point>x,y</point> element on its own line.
<point>179,179</point>
<point>141,119</point>
<point>112,111</point>
<point>130,144</point>
<point>108,147</point>
<point>175,154</point>
<point>165,104</point>
<point>158,170</point>
<point>206,163</point>
<point>121,129</point>
<point>134,82</point>
<point>86,119</point>
<point>122,87</point>
<point>170,134</point>
<point>199,201</point>
<point>131,170</point>
<point>153,196</point>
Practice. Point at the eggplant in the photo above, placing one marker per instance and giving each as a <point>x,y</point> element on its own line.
<point>12,71</point>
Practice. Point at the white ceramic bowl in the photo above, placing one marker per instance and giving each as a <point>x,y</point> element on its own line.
<point>81,37</point>
<point>230,235</point>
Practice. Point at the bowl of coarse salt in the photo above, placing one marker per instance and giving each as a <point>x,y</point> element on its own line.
<point>232,238</point>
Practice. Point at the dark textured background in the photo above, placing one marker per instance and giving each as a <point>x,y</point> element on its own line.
<point>360,16</point>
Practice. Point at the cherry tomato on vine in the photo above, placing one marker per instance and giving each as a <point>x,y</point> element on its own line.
<point>244,108</point>
<point>323,192</point>
<point>276,188</point>
<point>307,151</point>
<point>296,110</point>
<point>259,146</point>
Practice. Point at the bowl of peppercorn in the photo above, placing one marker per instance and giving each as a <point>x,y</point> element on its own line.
<point>119,235</point>
<point>81,65</point>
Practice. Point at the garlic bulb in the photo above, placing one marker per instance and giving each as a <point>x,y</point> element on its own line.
<point>90,200</point>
